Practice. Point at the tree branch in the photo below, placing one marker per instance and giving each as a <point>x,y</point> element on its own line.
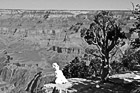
<point>96,55</point>
<point>113,43</point>
<point>97,42</point>
<point>100,50</point>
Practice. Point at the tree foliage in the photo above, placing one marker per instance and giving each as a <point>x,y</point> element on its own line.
<point>136,28</point>
<point>131,59</point>
<point>104,32</point>
<point>135,43</point>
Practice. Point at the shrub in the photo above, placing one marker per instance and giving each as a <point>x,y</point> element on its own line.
<point>131,59</point>
<point>118,67</point>
<point>76,69</point>
<point>94,67</point>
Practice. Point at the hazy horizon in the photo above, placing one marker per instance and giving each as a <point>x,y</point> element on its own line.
<point>68,4</point>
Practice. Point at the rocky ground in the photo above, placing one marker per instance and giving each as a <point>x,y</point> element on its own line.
<point>121,83</point>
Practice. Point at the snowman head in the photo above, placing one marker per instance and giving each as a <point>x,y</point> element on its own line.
<point>55,66</point>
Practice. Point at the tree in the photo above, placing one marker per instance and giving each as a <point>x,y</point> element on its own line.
<point>46,15</point>
<point>104,32</point>
<point>136,28</point>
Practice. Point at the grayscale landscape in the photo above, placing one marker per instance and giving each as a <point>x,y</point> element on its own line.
<point>97,50</point>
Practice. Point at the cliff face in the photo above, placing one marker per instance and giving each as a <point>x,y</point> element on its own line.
<point>36,30</point>
<point>19,78</point>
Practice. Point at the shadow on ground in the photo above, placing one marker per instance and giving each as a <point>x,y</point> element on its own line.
<point>89,86</point>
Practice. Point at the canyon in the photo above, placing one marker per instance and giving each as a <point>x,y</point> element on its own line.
<point>31,40</point>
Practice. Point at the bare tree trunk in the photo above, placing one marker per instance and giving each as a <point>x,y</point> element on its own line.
<point>105,68</point>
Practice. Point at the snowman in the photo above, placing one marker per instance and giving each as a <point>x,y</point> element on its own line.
<point>60,78</point>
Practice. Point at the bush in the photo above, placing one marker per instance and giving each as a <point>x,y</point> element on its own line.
<point>76,69</point>
<point>132,59</point>
<point>94,67</point>
<point>128,63</point>
<point>118,67</point>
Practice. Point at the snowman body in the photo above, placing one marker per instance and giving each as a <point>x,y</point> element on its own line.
<point>60,78</point>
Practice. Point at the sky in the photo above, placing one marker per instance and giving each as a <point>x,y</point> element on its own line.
<point>68,4</point>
